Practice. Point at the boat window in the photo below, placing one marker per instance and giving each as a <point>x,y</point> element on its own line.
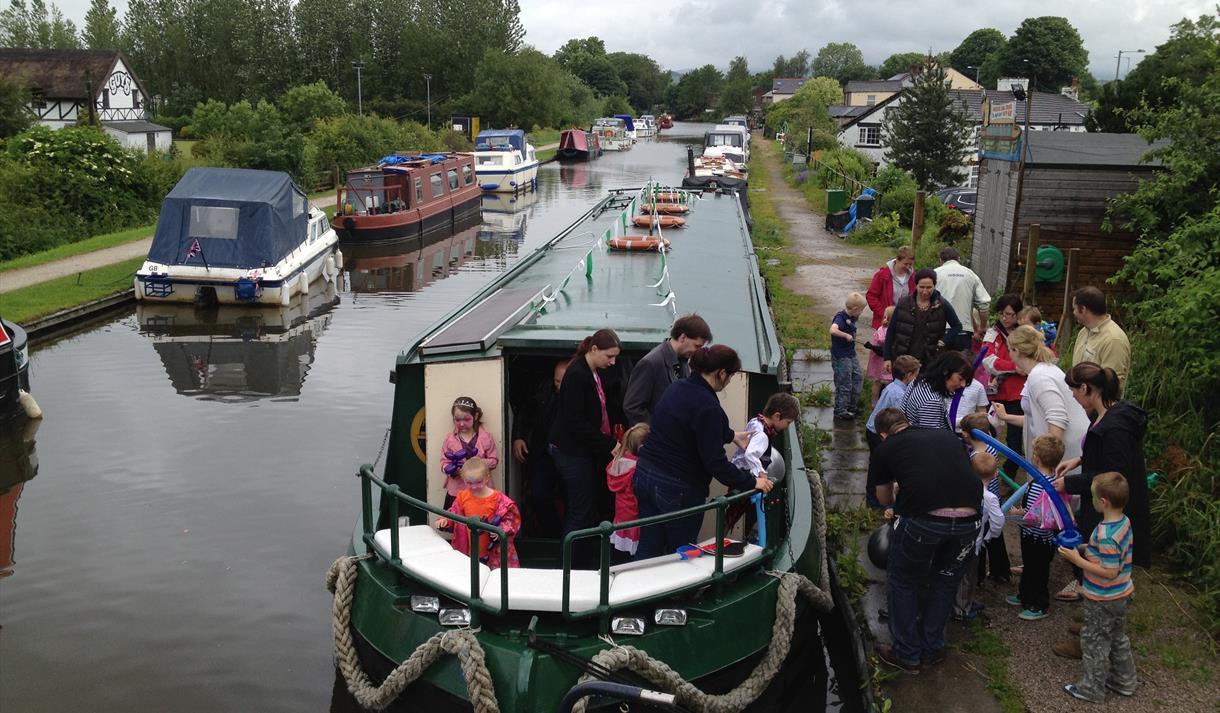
<point>724,140</point>
<point>302,205</point>
<point>489,160</point>
<point>214,222</point>
<point>453,179</point>
<point>438,185</point>
<point>468,174</point>
<point>419,190</point>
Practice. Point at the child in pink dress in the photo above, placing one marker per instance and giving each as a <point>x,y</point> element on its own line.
<point>480,500</point>
<point>619,476</point>
<point>467,440</point>
<point>876,363</point>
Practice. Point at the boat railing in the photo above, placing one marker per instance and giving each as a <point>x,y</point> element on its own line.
<point>603,610</point>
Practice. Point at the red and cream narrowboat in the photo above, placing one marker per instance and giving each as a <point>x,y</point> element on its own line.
<point>406,195</point>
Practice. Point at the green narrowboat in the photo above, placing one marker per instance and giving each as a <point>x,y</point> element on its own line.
<point>523,637</point>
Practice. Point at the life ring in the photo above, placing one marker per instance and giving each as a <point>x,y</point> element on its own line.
<point>666,197</point>
<point>665,208</point>
<point>665,221</point>
<point>638,243</point>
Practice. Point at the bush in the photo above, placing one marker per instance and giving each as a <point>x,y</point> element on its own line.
<point>901,200</point>
<point>892,178</point>
<point>882,230</point>
<point>955,226</point>
<point>840,164</point>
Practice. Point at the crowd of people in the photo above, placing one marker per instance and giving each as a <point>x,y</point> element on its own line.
<point>954,376</point>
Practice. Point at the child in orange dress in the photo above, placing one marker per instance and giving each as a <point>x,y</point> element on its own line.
<point>479,500</point>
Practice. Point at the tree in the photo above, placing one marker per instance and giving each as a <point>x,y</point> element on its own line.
<point>523,89</point>
<point>1188,56</point>
<point>806,109</point>
<point>305,105</point>
<point>796,66</point>
<point>896,64</point>
<point>101,26</point>
<point>972,56</point>
<point>1048,50</point>
<point>646,83</point>
<point>842,61</point>
<point>928,134</point>
<point>573,49</point>
<point>36,26</point>
<point>739,70</point>
<point>694,92</point>
<point>15,114</point>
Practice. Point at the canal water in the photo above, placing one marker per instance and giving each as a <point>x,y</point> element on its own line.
<point>195,473</point>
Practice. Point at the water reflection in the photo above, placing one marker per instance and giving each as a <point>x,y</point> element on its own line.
<point>18,464</point>
<point>505,217</point>
<point>239,353</point>
<point>409,265</point>
<point>578,176</point>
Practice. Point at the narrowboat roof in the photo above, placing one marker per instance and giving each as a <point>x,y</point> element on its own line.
<point>711,269</point>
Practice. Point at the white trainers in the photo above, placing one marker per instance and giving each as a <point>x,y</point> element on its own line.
<point>1070,592</point>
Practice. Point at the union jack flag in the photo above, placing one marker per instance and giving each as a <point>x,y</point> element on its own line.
<point>193,250</point>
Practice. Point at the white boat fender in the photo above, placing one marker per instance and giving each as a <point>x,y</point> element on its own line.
<point>285,294</point>
<point>339,259</point>
<point>31,407</point>
<point>303,283</point>
<point>328,268</point>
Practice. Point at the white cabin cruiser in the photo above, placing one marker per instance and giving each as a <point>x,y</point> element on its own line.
<point>504,162</point>
<point>612,133</point>
<point>237,236</point>
<point>646,126</point>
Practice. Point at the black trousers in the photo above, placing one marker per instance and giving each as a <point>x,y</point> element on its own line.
<point>995,557</point>
<point>1034,589</point>
<point>1014,437</point>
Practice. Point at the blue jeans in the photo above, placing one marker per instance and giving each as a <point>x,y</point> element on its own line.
<point>579,474</point>
<point>659,494</point>
<point>927,559</point>
<point>849,381</point>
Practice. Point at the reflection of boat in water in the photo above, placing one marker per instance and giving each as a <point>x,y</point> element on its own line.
<point>408,265</point>
<point>18,464</point>
<point>239,353</point>
<point>574,175</point>
<point>505,217</point>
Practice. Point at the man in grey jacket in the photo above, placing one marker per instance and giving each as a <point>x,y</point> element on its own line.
<point>662,366</point>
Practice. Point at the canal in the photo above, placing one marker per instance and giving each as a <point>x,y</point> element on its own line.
<point>195,475</point>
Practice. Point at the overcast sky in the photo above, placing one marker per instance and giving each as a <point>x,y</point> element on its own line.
<point>684,34</point>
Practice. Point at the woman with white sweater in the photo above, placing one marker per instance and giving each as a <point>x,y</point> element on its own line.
<point>1046,399</point>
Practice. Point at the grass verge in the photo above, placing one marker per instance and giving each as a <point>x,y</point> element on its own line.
<point>795,320</point>
<point>49,297</point>
<point>88,245</point>
<point>547,155</point>
<point>990,647</point>
<point>542,137</point>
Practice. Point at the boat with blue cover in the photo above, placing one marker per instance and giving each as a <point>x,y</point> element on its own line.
<point>522,637</point>
<point>237,236</point>
<point>504,161</point>
<point>629,123</point>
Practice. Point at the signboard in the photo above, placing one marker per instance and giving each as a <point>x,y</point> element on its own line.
<point>1005,113</point>
<point>1000,137</point>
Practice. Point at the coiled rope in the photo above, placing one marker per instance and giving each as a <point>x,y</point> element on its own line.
<point>463,643</point>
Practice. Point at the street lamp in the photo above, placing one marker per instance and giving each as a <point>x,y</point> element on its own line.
<point>428,84</point>
<point>358,65</point>
<point>1118,65</point>
<point>976,73</point>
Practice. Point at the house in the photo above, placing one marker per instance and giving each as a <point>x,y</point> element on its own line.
<point>782,89</point>
<point>871,91</point>
<point>62,83</point>
<point>1065,186</point>
<point>862,130</point>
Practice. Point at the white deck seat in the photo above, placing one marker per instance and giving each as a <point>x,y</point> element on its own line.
<point>653,577</point>
<point>542,589</point>
<point>707,562</point>
<point>414,541</point>
<point>448,570</point>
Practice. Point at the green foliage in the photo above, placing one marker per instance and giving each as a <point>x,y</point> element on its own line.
<point>15,114</point>
<point>49,297</point>
<point>350,141</point>
<point>928,132</point>
<point>694,92</point>
<point>615,104</point>
<point>955,226</point>
<point>305,104</point>
<point>892,178</point>
<point>989,646</point>
<point>804,110</point>
<point>841,164</point>
<point>246,136</point>
<point>841,61</point>
<point>36,26</point>
<point>1187,57</point>
<point>980,52</point>
<point>881,230</point>
<point>900,200</point>
<point>527,88</point>
<point>788,67</point>
<point>101,26</point>
<point>646,82</point>
<point>1048,50</point>
<point>901,62</point>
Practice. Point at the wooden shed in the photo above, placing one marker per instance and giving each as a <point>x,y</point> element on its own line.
<point>1065,185</point>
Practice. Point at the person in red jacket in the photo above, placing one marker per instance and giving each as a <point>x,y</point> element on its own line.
<point>891,283</point>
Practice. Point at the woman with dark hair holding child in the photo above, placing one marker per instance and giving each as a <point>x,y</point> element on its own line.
<point>685,450</point>
<point>924,401</point>
<point>582,437</point>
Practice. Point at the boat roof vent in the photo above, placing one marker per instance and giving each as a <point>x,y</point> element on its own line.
<point>482,324</point>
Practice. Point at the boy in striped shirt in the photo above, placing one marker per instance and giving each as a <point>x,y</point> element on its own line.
<point>1107,589</point>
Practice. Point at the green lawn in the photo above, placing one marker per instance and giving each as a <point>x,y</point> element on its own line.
<point>547,155</point>
<point>88,245</point>
<point>49,297</point>
<point>542,137</point>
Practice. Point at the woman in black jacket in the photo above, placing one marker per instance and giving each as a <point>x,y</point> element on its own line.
<point>582,436</point>
<point>919,324</point>
<point>685,450</point>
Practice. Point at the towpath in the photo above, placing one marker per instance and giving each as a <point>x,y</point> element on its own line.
<point>17,279</point>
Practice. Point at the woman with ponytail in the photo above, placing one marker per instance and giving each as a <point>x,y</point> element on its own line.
<point>582,437</point>
<point>685,450</point>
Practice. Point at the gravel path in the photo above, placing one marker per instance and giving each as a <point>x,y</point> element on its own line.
<point>17,279</point>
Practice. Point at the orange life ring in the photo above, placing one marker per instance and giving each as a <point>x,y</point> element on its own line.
<point>665,221</point>
<point>638,243</point>
<point>665,208</point>
<point>666,197</point>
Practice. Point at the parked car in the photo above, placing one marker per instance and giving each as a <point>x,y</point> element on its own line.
<point>960,198</point>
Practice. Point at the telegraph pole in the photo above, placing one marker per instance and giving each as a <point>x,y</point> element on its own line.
<point>428,84</point>
<point>358,65</point>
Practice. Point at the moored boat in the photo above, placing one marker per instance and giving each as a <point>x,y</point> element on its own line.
<point>504,161</point>
<point>405,195</point>
<point>728,141</point>
<point>237,236</point>
<point>629,123</point>
<point>611,133</point>
<point>14,368</point>
<point>578,145</point>
<point>646,126</point>
<point>710,619</point>
<point>665,122</point>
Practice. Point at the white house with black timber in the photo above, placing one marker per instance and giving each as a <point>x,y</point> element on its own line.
<point>62,83</point>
